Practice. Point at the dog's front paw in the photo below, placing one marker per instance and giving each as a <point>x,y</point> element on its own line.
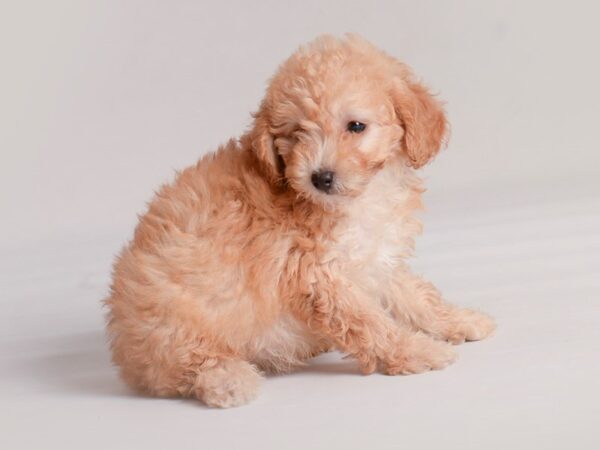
<point>469,325</point>
<point>420,354</point>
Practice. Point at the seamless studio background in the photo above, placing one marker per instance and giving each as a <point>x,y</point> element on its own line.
<point>100,102</point>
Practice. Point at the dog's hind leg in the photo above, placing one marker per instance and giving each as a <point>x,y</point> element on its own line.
<point>171,364</point>
<point>227,382</point>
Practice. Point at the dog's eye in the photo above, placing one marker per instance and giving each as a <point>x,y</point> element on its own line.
<point>356,127</point>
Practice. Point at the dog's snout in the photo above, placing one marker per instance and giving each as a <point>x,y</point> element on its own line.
<point>323,180</point>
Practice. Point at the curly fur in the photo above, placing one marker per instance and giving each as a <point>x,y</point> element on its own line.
<point>241,266</point>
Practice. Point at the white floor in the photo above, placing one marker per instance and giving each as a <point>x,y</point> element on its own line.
<point>530,258</point>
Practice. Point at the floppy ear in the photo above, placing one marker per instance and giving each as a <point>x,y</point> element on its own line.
<point>262,143</point>
<point>423,119</point>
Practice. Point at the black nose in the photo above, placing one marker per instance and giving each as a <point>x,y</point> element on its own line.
<point>322,180</point>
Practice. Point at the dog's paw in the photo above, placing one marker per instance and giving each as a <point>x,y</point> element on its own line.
<point>420,354</point>
<point>469,325</point>
<point>230,384</point>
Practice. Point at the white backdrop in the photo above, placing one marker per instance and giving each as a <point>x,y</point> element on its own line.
<point>102,101</point>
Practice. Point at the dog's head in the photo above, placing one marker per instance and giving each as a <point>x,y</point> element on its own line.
<point>336,112</point>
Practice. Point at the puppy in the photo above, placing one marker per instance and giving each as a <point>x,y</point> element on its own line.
<point>292,240</point>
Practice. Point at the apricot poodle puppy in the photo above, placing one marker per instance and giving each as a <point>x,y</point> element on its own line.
<point>292,240</point>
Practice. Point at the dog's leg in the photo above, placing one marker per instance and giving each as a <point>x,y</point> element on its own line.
<point>419,304</point>
<point>361,329</point>
<point>227,383</point>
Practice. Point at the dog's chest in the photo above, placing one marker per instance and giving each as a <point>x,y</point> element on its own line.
<point>378,233</point>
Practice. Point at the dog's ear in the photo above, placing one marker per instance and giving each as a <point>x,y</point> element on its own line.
<point>262,143</point>
<point>422,117</point>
